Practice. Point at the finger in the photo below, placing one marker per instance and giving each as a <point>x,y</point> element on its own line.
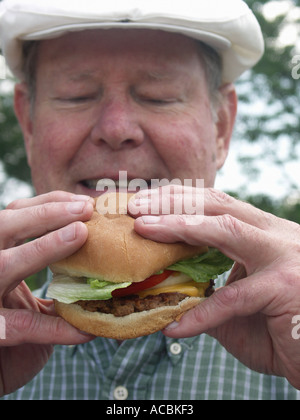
<point>219,203</point>
<point>172,199</point>
<point>24,326</point>
<point>240,299</point>
<point>54,196</point>
<point>22,261</point>
<point>176,199</point>
<point>29,222</point>
<point>243,243</point>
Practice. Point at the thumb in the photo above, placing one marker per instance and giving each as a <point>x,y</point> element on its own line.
<point>241,298</point>
<point>25,326</point>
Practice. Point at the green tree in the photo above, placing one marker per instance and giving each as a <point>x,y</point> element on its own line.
<point>271,83</point>
<point>12,151</point>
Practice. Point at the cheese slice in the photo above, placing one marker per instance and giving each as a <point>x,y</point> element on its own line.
<point>177,282</point>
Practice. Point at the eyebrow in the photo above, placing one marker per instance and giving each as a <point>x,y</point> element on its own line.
<point>144,75</point>
<point>81,77</point>
<point>158,77</point>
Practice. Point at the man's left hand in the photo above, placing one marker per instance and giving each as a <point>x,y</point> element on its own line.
<point>254,315</point>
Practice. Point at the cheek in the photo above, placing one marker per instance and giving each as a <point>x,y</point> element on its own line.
<point>55,140</point>
<point>188,149</point>
<point>54,145</point>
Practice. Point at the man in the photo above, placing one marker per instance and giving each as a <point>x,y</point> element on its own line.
<point>144,88</point>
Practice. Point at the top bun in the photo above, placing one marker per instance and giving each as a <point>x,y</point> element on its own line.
<point>115,252</point>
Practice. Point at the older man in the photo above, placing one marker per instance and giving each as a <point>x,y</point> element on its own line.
<point>146,88</point>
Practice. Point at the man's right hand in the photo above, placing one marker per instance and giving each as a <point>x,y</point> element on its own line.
<point>29,327</point>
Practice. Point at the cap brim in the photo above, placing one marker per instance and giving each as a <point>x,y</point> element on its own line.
<point>215,41</point>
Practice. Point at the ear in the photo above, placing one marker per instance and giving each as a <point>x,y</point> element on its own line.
<point>226,118</point>
<point>22,109</point>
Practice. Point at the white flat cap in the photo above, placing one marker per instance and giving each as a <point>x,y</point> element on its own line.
<point>228,26</point>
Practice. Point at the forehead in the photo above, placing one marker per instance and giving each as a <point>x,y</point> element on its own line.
<point>161,50</point>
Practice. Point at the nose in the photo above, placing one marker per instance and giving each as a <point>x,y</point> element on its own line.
<point>117,125</point>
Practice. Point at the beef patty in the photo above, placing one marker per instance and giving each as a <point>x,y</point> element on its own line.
<point>127,305</point>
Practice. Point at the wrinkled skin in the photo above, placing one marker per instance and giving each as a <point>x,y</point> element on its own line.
<point>29,327</point>
<point>252,316</point>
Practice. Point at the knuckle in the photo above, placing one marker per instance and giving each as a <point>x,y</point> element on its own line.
<point>20,322</point>
<point>180,220</point>
<point>219,196</point>
<point>292,230</point>
<point>230,223</point>
<point>40,246</point>
<point>199,314</point>
<point>9,237</point>
<point>40,212</point>
<point>46,214</point>
<point>5,216</point>
<point>266,220</point>
<point>227,297</point>
<point>58,196</point>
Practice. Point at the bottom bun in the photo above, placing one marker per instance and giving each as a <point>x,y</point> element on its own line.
<point>126,327</point>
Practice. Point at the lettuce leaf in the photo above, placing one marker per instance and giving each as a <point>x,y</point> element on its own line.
<point>201,269</point>
<point>204,267</point>
<point>69,290</point>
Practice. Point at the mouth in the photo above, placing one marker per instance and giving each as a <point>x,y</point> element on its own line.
<point>106,184</point>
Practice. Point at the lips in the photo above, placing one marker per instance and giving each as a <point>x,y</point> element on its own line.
<point>121,184</point>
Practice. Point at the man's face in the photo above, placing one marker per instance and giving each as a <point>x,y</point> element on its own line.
<point>110,101</point>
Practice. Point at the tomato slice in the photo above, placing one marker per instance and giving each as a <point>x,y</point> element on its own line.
<point>146,284</point>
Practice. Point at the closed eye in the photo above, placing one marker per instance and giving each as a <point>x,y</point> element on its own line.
<point>78,99</point>
<point>158,101</point>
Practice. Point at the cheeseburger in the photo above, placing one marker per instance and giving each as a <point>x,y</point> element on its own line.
<point>120,285</point>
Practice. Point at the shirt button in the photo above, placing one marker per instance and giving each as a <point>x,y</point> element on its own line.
<point>120,393</point>
<point>175,349</point>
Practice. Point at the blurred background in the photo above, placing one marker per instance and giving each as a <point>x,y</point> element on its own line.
<point>264,163</point>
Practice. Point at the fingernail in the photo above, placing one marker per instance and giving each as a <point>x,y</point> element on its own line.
<point>81,198</point>
<point>142,201</point>
<point>151,220</point>
<point>172,326</point>
<point>68,234</point>
<point>148,192</point>
<point>86,334</point>
<point>76,208</point>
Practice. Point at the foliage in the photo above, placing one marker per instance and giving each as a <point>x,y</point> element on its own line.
<point>287,209</point>
<point>269,95</point>
<point>12,151</point>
